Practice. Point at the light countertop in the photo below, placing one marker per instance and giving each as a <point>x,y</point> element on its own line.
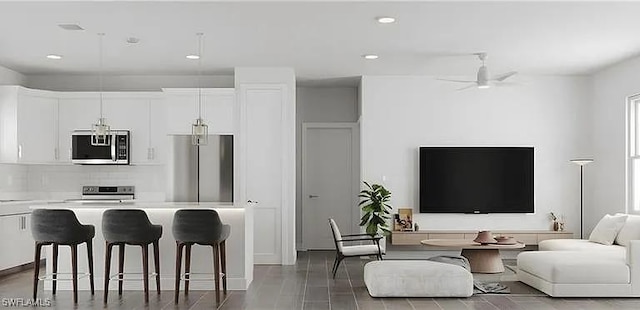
<point>136,205</point>
<point>8,208</point>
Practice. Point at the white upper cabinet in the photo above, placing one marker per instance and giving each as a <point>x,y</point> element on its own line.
<point>135,112</point>
<point>36,126</point>
<point>28,125</point>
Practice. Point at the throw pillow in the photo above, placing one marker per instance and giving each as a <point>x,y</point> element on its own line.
<point>630,231</point>
<point>607,229</point>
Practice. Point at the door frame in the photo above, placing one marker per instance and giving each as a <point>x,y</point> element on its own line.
<point>355,173</point>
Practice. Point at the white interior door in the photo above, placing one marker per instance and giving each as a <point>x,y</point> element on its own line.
<point>328,182</point>
<point>264,171</point>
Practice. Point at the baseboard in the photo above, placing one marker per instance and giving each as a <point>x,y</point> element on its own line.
<point>16,269</point>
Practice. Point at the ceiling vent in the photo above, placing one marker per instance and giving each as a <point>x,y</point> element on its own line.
<point>73,27</point>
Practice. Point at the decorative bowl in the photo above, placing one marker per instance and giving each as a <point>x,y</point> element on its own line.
<point>506,240</point>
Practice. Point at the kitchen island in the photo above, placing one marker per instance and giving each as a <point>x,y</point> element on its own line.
<point>239,247</point>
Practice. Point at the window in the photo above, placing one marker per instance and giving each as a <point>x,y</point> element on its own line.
<point>633,159</point>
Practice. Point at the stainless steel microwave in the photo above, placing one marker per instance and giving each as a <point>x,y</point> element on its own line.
<point>116,153</point>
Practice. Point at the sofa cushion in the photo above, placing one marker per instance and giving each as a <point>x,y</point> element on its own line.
<point>607,229</point>
<point>574,267</point>
<point>630,231</point>
<point>582,245</point>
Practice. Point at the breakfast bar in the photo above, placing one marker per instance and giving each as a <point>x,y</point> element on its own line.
<point>239,246</point>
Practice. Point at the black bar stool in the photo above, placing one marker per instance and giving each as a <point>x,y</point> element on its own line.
<point>130,226</point>
<point>61,227</point>
<point>205,228</point>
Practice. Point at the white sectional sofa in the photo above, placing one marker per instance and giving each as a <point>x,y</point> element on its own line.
<point>581,268</point>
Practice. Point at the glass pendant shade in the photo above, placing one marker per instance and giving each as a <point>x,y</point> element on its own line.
<point>199,132</point>
<point>100,133</point>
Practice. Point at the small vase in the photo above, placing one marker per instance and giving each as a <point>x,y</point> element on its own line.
<point>556,226</point>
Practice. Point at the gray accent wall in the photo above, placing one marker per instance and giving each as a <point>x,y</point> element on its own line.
<point>320,105</point>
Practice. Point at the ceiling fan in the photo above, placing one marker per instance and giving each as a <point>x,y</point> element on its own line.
<point>483,80</point>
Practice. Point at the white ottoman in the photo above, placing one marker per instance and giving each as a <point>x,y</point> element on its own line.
<point>417,278</point>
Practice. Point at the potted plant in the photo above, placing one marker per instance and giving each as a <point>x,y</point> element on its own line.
<point>375,205</point>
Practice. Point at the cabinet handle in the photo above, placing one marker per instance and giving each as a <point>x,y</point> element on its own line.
<point>20,151</point>
<point>251,201</point>
<point>56,153</point>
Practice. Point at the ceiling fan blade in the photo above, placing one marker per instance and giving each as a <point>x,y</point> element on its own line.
<point>466,87</point>
<point>457,81</point>
<point>507,84</point>
<point>504,76</point>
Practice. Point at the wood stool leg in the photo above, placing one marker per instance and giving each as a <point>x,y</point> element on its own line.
<point>178,268</point>
<point>107,267</point>
<point>145,271</point>
<point>120,267</point>
<point>90,258</point>
<point>223,265</point>
<point>74,271</point>
<point>156,261</point>
<point>54,284</point>
<point>216,271</point>
<point>36,268</point>
<point>187,268</point>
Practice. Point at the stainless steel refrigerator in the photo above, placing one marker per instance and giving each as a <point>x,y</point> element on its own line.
<point>200,173</point>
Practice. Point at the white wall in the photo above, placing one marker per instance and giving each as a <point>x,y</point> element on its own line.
<point>62,82</point>
<point>400,114</point>
<point>320,105</point>
<point>10,77</point>
<point>606,179</point>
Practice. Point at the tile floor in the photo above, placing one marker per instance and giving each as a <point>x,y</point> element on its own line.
<point>308,285</point>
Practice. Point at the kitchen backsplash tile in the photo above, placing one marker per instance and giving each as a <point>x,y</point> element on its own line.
<point>13,181</point>
<point>66,181</point>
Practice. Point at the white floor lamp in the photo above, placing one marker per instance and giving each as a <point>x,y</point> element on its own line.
<point>581,162</point>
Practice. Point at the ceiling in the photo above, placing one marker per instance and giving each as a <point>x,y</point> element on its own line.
<point>320,40</point>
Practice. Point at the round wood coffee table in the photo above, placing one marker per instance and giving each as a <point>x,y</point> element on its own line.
<point>483,258</point>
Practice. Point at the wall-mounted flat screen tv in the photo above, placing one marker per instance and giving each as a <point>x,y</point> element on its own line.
<point>476,180</point>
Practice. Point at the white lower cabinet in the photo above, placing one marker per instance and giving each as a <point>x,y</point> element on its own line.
<point>16,243</point>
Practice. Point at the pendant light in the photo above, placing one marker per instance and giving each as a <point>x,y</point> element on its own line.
<point>199,130</point>
<point>101,131</point>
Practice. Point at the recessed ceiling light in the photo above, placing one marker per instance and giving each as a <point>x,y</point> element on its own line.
<point>386,19</point>
<point>72,27</point>
<point>132,40</point>
<point>370,56</point>
<point>54,56</point>
<point>193,57</point>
